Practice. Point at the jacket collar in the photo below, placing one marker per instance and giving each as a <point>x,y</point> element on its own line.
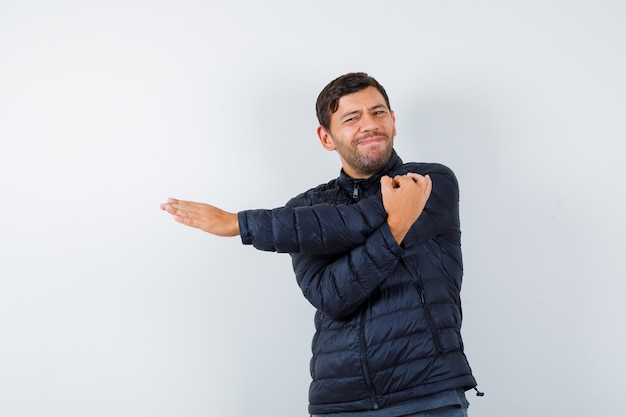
<point>364,187</point>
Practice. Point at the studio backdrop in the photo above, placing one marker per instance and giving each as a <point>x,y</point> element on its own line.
<point>110,308</point>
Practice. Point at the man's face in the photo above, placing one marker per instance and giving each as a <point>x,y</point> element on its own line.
<point>361,131</point>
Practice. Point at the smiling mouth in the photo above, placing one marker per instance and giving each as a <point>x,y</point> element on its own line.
<point>371,139</point>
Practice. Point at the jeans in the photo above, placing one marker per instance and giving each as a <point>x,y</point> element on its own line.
<point>451,403</point>
<point>442,412</point>
<point>452,411</point>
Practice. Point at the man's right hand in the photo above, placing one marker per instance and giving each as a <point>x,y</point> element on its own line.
<point>202,216</point>
<point>404,198</point>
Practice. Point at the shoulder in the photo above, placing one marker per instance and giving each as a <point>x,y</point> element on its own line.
<point>424,168</point>
<point>445,183</point>
<point>427,168</point>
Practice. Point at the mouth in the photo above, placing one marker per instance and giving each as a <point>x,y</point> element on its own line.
<point>370,140</point>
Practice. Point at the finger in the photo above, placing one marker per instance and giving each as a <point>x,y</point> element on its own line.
<point>183,207</point>
<point>178,210</point>
<point>429,184</point>
<point>415,177</point>
<point>182,215</point>
<point>186,220</point>
<point>180,203</point>
<point>187,206</point>
<point>386,183</point>
<point>428,181</point>
<point>403,180</point>
<point>167,203</point>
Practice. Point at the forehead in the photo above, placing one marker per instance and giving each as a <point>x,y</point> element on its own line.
<point>368,97</point>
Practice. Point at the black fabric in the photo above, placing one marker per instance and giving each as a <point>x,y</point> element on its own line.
<point>388,316</point>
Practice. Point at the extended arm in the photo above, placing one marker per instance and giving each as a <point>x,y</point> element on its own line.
<point>322,229</point>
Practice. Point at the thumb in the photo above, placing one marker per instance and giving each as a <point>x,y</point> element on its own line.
<point>386,185</point>
<point>386,182</point>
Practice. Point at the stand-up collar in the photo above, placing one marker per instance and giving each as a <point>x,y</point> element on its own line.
<point>359,187</point>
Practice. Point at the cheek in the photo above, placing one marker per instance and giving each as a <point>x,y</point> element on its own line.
<point>342,136</point>
<point>349,133</point>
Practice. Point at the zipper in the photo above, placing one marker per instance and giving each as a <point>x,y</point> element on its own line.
<point>433,329</point>
<point>364,365</point>
<point>355,190</point>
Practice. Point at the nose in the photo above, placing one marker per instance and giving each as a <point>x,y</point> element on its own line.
<point>368,123</point>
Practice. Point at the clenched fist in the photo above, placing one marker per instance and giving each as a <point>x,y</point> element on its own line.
<point>404,198</point>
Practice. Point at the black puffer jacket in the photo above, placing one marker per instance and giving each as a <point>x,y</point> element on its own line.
<point>389,316</point>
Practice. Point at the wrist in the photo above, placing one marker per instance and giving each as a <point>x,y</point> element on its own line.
<point>398,229</point>
<point>234,222</point>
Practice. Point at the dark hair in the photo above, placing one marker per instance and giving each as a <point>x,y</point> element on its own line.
<point>328,100</point>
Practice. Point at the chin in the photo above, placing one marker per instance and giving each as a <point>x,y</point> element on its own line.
<point>378,158</point>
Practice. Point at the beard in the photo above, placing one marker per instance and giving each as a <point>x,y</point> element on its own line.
<point>366,162</point>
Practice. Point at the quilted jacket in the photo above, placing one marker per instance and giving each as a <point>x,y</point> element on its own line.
<point>388,320</point>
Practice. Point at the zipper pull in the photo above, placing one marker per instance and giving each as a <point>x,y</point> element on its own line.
<point>355,191</point>
<point>479,393</point>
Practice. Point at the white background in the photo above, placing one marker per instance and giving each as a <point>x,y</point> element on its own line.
<point>110,308</point>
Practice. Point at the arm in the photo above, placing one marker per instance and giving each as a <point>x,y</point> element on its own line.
<point>322,229</point>
<point>337,286</point>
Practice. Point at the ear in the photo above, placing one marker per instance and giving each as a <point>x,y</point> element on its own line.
<point>325,139</point>
<point>393,117</point>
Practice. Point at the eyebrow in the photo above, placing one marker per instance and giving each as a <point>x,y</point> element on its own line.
<point>377,106</point>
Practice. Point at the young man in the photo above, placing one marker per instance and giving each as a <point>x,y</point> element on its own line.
<point>377,251</point>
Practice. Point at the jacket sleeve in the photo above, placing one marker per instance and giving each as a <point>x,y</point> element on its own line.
<point>338,285</point>
<point>321,229</point>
